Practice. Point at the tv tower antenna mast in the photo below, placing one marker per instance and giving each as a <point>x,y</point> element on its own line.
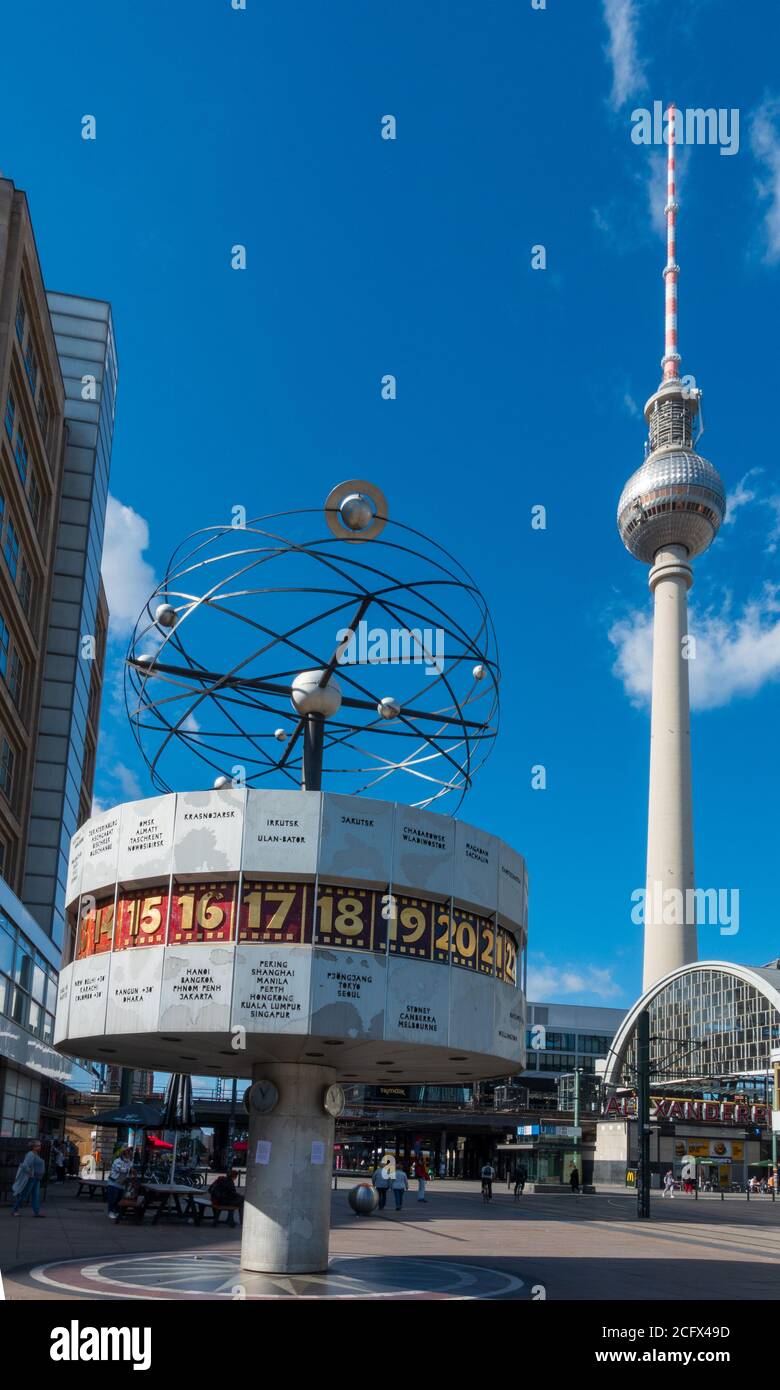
<point>670,511</point>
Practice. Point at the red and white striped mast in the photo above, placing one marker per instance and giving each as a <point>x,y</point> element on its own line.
<point>671,357</point>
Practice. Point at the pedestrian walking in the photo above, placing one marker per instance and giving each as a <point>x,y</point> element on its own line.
<point>399,1184</point>
<point>574,1179</point>
<point>669,1183</point>
<point>521,1178</point>
<point>117,1180</point>
<point>381,1180</point>
<point>58,1156</point>
<point>27,1183</point>
<point>421,1174</point>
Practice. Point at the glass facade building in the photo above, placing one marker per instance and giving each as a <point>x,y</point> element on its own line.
<point>708,1022</point>
<point>565,1038</point>
<point>84,337</point>
<point>33,1077</point>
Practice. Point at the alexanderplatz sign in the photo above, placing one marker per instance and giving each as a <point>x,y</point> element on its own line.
<point>699,1111</point>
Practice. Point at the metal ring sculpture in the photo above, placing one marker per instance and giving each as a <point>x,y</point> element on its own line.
<point>243,610</point>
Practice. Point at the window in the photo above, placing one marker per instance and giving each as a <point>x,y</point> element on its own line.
<point>21,454</point>
<point>43,413</point>
<point>7,769</point>
<point>10,412</point>
<point>16,678</point>
<point>7,950</point>
<point>31,365</point>
<point>25,588</point>
<point>11,548</point>
<point>4,636</point>
<point>34,499</point>
<point>21,318</point>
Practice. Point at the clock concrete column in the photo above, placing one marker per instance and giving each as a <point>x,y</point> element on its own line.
<point>286,1219</point>
<point>670,940</point>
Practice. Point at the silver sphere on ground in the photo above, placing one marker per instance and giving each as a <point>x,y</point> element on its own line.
<point>388,708</point>
<point>363,1199</point>
<point>356,512</point>
<point>220,783</point>
<point>675,498</point>
<point>309,697</point>
<point>165,615</point>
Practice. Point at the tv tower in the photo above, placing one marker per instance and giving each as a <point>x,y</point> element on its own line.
<point>670,511</point>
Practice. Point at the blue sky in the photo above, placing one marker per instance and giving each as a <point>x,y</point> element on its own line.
<point>515,387</point>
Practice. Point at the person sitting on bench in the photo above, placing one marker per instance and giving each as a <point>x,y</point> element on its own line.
<point>225,1197</point>
<point>134,1200</point>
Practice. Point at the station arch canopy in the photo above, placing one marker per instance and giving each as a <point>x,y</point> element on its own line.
<point>708,1020</point>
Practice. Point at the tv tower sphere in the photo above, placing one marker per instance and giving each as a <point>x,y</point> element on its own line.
<point>675,498</point>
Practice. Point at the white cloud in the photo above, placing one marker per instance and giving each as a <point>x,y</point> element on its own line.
<point>765,142</point>
<point>628,78</point>
<point>552,982</point>
<point>743,495</point>
<point>655,185</point>
<point>740,497</point>
<point>735,654</point>
<point>128,781</point>
<point>128,577</point>
<point>773,536</point>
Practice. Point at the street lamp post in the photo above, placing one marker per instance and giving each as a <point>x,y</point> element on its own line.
<point>643,1114</point>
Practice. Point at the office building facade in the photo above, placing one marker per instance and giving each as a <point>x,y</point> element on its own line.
<point>57,394</point>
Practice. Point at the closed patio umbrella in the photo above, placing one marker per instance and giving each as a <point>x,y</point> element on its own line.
<point>177,1110</point>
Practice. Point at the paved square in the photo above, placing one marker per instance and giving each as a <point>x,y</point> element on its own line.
<point>556,1247</point>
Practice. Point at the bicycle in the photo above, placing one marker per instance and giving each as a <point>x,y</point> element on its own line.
<point>487,1189</point>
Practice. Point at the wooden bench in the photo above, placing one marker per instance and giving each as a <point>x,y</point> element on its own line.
<point>205,1207</point>
<point>91,1185</point>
